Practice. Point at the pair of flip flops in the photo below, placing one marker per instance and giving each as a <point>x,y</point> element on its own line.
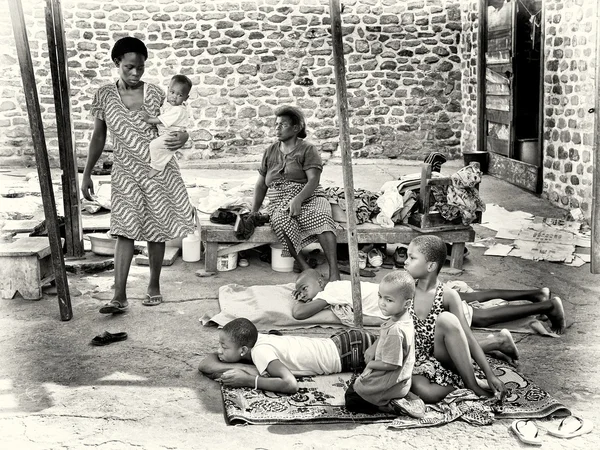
<point>570,427</point>
<point>108,338</point>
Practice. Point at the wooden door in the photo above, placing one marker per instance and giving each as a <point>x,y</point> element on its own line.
<point>499,77</point>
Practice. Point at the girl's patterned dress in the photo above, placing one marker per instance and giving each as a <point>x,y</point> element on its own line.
<point>425,363</point>
<point>144,209</point>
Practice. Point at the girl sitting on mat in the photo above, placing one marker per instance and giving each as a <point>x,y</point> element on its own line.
<point>444,341</point>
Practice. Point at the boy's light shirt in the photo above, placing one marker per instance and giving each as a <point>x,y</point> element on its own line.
<point>340,293</point>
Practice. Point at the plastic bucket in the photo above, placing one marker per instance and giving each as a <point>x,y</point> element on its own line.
<point>228,262</point>
<point>480,157</point>
<point>280,263</point>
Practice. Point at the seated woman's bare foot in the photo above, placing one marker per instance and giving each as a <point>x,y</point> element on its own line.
<point>557,316</point>
<point>542,295</point>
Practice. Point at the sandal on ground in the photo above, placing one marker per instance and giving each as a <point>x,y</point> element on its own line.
<point>571,427</point>
<point>113,307</point>
<point>152,300</point>
<point>400,255</point>
<point>108,338</point>
<point>409,406</point>
<point>362,259</point>
<point>363,272</point>
<point>526,431</point>
<point>375,257</point>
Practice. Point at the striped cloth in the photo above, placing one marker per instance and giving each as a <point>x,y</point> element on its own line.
<point>315,215</point>
<point>352,345</point>
<point>145,209</point>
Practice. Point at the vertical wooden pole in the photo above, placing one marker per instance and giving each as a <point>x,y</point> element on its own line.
<point>595,250</point>
<point>342,108</point>
<point>481,68</point>
<point>41,156</point>
<point>62,103</point>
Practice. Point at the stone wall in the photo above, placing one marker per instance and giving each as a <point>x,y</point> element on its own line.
<point>570,91</point>
<point>246,58</point>
<point>469,52</point>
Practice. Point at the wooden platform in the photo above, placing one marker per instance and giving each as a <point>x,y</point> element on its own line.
<point>212,235</point>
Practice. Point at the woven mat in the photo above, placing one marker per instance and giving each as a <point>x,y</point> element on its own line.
<point>320,399</point>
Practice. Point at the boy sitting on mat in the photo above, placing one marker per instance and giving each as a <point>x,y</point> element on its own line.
<point>385,382</point>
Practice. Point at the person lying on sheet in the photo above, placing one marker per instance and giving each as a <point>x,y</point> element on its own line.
<point>313,294</point>
<point>245,357</point>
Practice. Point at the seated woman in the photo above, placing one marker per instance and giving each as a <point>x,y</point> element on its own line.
<point>290,173</point>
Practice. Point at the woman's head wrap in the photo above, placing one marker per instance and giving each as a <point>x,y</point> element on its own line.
<point>296,115</point>
<point>128,45</point>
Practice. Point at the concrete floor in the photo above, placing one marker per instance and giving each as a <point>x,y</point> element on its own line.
<point>58,392</point>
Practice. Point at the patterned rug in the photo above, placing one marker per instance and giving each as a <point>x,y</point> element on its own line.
<point>320,399</point>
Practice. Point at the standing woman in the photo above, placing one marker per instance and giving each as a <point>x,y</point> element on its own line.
<point>290,173</point>
<point>145,209</point>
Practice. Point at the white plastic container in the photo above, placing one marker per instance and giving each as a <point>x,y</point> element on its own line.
<point>191,248</point>
<point>280,263</point>
<point>228,262</point>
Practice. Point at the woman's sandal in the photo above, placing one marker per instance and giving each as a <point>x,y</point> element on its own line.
<point>108,338</point>
<point>526,431</point>
<point>570,427</point>
<point>152,300</point>
<point>113,307</point>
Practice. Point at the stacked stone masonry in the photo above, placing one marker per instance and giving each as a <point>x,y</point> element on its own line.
<point>246,58</point>
<point>570,93</point>
<point>411,76</point>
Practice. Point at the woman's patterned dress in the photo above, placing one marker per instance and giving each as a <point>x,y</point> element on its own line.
<point>145,209</point>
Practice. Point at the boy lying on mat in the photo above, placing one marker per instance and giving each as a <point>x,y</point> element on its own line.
<point>278,359</point>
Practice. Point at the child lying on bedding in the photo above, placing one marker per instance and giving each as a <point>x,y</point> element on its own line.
<point>270,362</point>
<point>313,294</point>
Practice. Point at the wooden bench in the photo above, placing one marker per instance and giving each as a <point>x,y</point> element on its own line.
<point>212,235</point>
<point>25,266</point>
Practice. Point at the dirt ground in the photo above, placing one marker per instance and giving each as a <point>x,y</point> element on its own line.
<point>59,392</point>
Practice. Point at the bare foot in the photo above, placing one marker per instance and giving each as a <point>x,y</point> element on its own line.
<point>542,295</point>
<point>152,173</point>
<point>507,345</point>
<point>557,316</point>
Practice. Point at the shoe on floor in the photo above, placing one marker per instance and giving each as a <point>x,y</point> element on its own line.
<point>362,259</point>
<point>375,257</point>
<point>108,338</point>
<point>113,307</point>
<point>570,427</point>
<point>526,431</point>
<point>400,255</point>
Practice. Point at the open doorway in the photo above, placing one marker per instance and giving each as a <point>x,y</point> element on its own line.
<point>513,78</point>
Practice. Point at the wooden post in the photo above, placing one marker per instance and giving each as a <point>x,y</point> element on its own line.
<point>342,108</point>
<point>62,103</point>
<point>481,68</point>
<point>41,156</point>
<point>595,250</point>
